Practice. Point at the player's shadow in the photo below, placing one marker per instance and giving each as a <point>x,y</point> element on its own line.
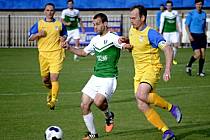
<point>199,128</point>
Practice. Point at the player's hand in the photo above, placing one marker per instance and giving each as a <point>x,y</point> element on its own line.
<point>65,45</point>
<point>123,39</point>
<point>191,38</point>
<point>42,33</point>
<point>128,47</point>
<point>62,38</point>
<point>166,76</point>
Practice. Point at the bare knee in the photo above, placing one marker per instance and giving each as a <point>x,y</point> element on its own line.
<point>142,102</point>
<point>85,108</point>
<point>47,82</point>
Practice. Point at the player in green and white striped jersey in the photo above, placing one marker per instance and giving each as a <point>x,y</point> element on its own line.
<point>71,19</point>
<point>99,89</point>
<point>170,27</point>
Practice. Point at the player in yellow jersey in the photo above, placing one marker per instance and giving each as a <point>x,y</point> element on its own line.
<point>146,43</point>
<point>49,33</point>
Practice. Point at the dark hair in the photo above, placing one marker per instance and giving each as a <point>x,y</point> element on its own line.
<point>102,16</point>
<point>197,1</point>
<point>51,4</point>
<point>70,1</point>
<point>162,5</point>
<point>169,1</point>
<point>142,10</point>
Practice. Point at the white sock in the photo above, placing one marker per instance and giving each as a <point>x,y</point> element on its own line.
<point>88,119</point>
<point>175,51</point>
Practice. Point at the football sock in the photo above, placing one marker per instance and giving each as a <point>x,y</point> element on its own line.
<point>153,117</point>
<point>192,60</point>
<point>201,63</point>
<point>88,119</point>
<point>55,88</point>
<point>174,52</point>
<point>155,99</point>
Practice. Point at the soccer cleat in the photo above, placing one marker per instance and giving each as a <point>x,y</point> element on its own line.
<point>176,113</point>
<point>202,74</point>
<point>109,123</point>
<point>89,136</point>
<point>51,104</point>
<point>188,70</point>
<point>168,135</point>
<point>174,62</point>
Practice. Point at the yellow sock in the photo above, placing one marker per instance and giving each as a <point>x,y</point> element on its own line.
<point>155,99</point>
<point>55,89</point>
<point>153,117</point>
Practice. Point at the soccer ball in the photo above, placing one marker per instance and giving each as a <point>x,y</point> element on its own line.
<point>53,133</point>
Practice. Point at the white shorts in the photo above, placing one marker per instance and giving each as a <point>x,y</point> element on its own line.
<point>73,34</point>
<point>99,85</point>
<point>172,37</point>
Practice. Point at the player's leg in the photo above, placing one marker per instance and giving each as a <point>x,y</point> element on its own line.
<point>196,53</point>
<point>56,65</point>
<point>76,38</point>
<point>201,63</point>
<point>89,93</point>
<point>102,103</point>
<point>203,43</point>
<point>54,90</point>
<point>88,117</point>
<point>45,74</point>
<point>174,38</point>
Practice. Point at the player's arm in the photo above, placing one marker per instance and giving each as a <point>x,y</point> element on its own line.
<point>178,21</point>
<point>63,33</point>
<point>187,25</point>
<point>162,20</point>
<point>168,59</point>
<point>81,24</point>
<point>79,52</point>
<point>157,41</point>
<point>34,34</point>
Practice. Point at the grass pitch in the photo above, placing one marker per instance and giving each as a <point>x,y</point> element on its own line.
<point>25,116</point>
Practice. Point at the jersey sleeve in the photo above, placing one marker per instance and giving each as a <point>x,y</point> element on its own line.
<point>188,19</point>
<point>33,30</point>
<point>155,39</point>
<point>162,20</point>
<point>115,39</point>
<point>63,14</point>
<point>90,48</point>
<point>63,31</point>
<point>178,21</point>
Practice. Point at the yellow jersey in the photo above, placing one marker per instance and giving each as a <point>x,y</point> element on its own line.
<point>145,47</point>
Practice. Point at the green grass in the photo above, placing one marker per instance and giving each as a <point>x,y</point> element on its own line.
<point>25,116</point>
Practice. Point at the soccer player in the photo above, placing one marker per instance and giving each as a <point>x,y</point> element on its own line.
<point>101,86</point>
<point>146,42</point>
<point>158,15</point>
<point>170,27</point>
<point>70,18</point>
<point>49,34</point>
<point>196,28</point>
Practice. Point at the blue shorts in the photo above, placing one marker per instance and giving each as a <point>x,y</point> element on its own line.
<point>200,41</point>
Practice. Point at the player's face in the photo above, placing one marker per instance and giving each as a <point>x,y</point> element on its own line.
<point>135,19</point>
<point>199,6</point>
<point>169,6</point>
<point>49,12</point>
<point>99,26</point>
<point>70,5</point>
